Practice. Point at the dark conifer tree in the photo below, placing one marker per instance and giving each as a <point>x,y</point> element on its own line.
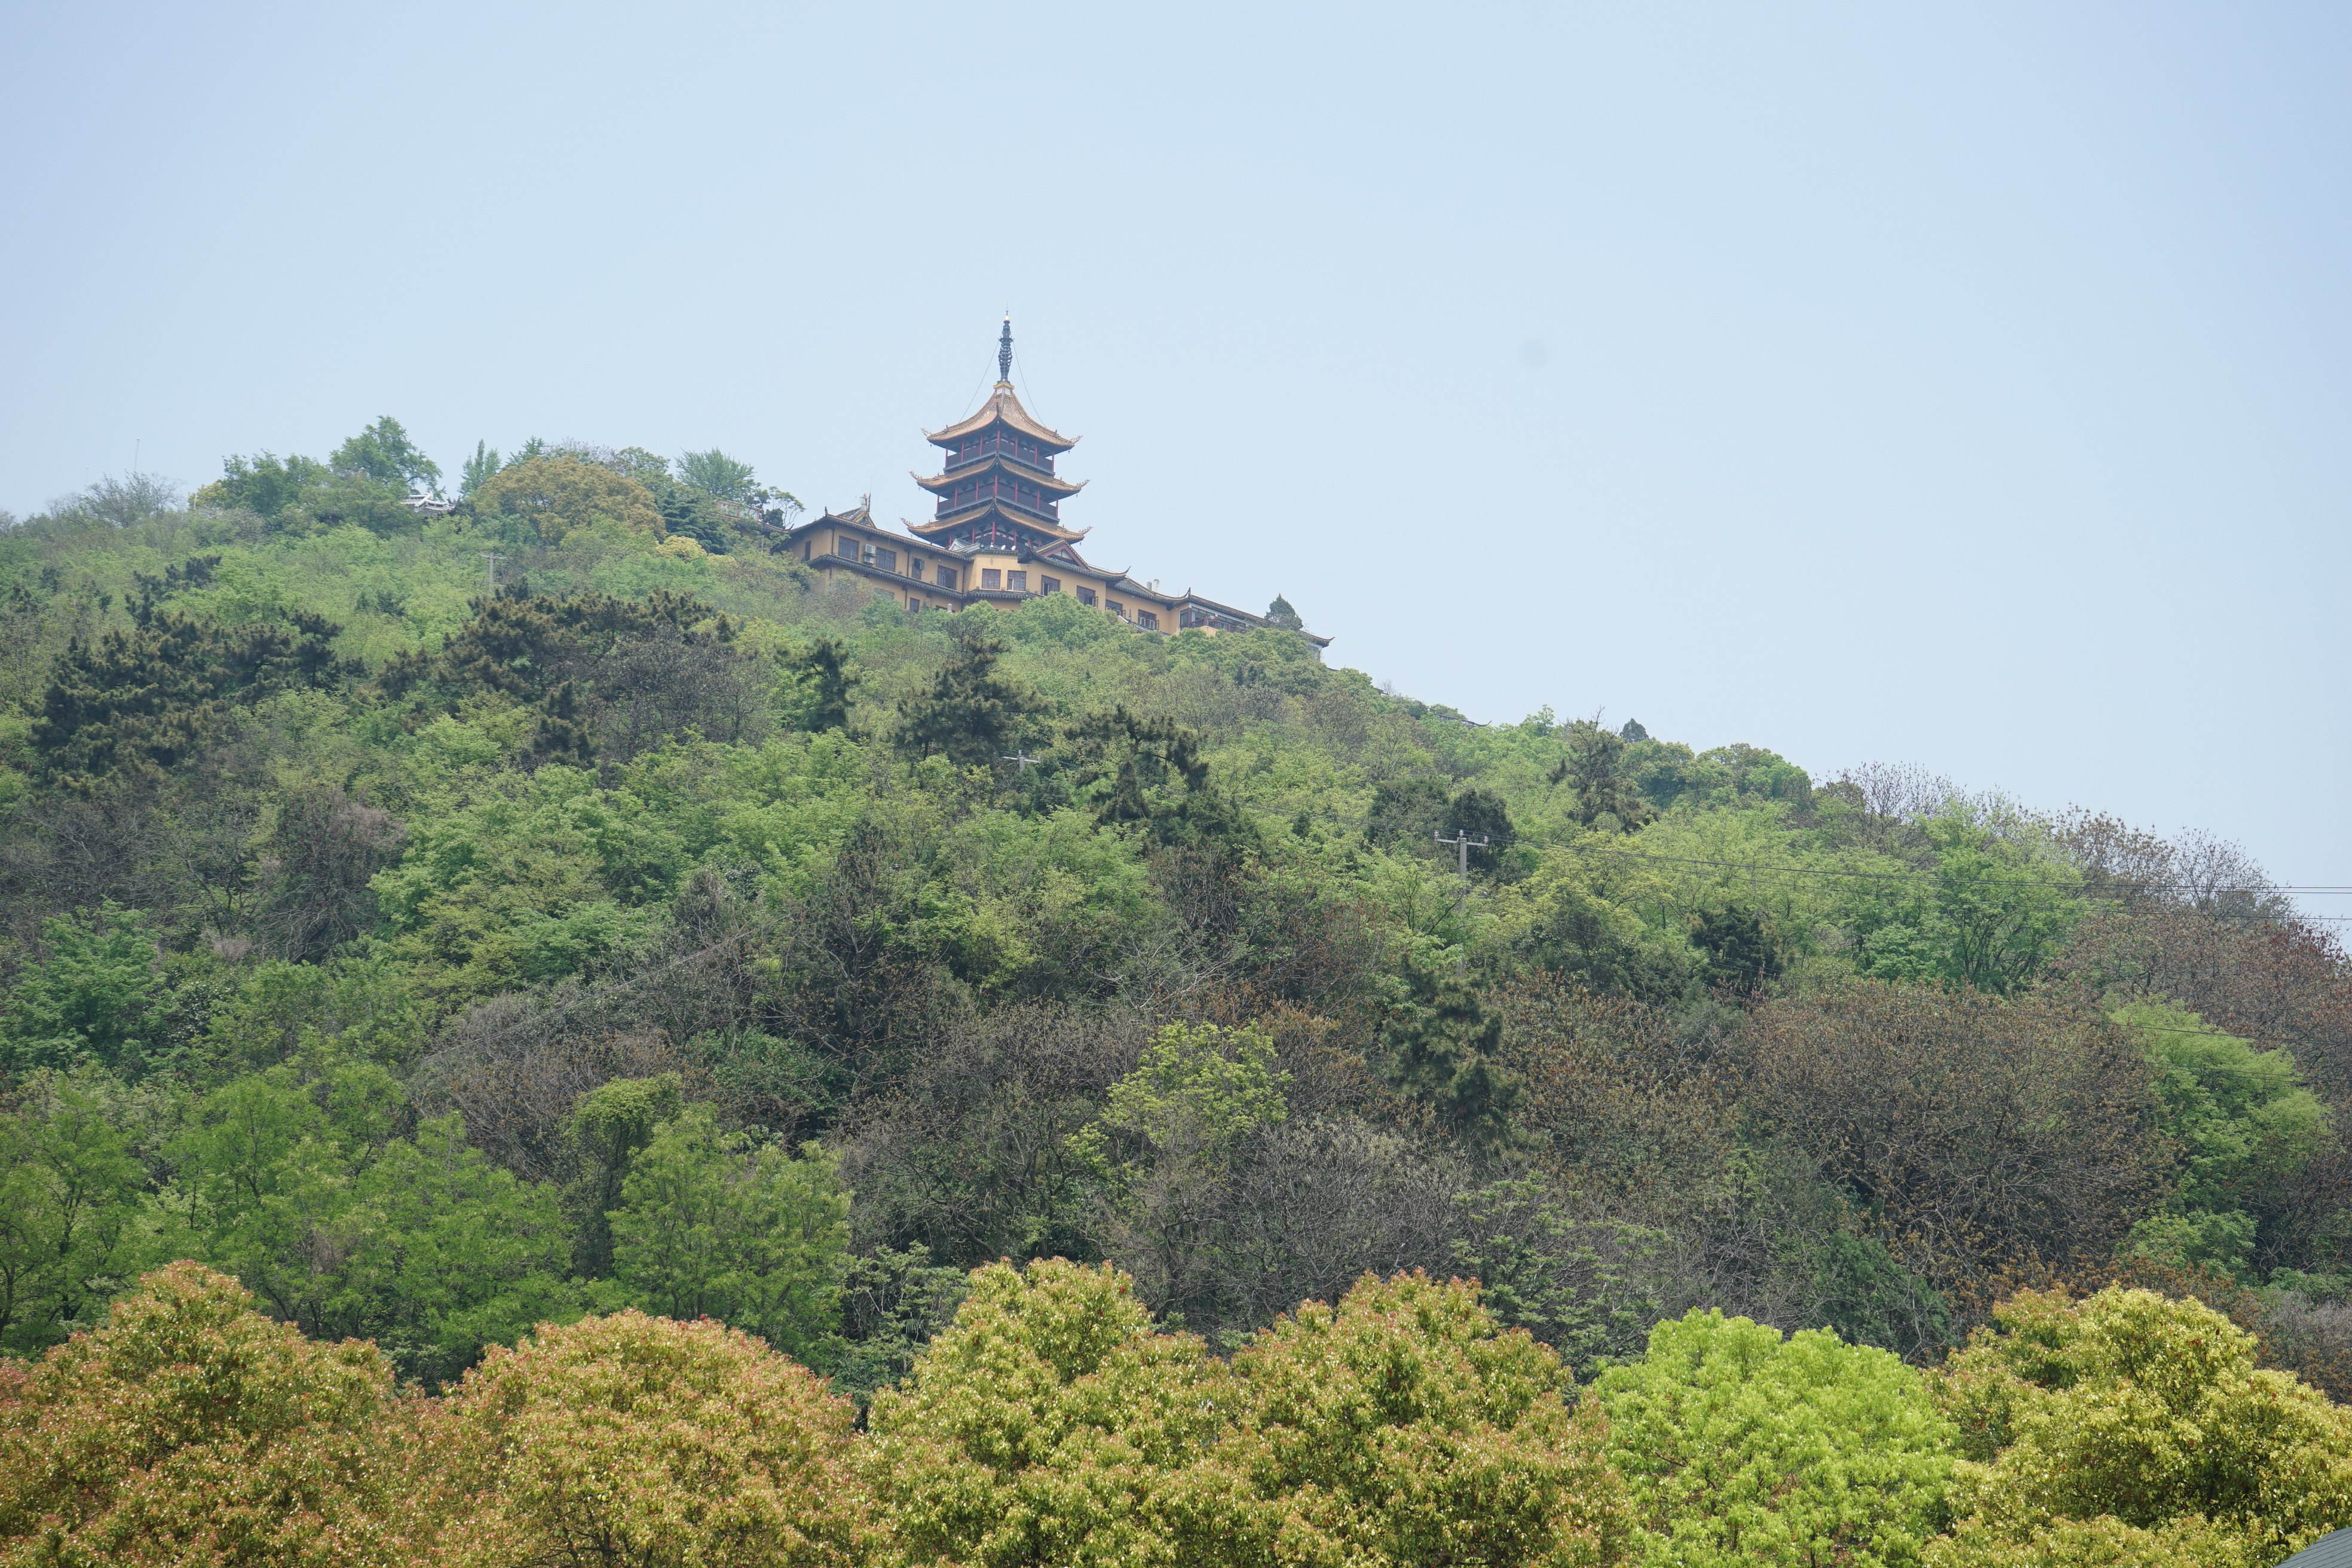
<point>1442,1046</point>
<point>970,715</point>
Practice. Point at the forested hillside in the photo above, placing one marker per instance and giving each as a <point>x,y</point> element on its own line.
<point>661,931</point>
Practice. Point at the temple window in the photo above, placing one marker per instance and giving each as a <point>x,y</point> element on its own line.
<point>1086,595</point>
<point>885,559</point>
<point>1049,584</point>
<point>843,544</point>
<point>990,577</point>
<point>1017,580</point>
<point>1117,609</point>
<point>944,576</point>
<point>1150,622</point>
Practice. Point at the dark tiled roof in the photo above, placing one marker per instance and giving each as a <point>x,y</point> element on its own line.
<point>2327,1551</point>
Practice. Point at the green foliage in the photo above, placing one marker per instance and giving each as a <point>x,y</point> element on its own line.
<point>1033,1429</point>
<point>384,452</point>
<point>1166,1145</point>
<point>1405,812</point>
<point>970,714</point>
<point>546,500</point>
<point>894,1301</point>
<point>264,484</point>
<point>479,469</point>
<point>1145,773</point>
<point>444,1253</point>
<point>1996,907</point>
<point>1399,1427</point>
<point>1742,1448</point>
<point>1440,1050</point>
<point>709,1227</point>
<point>667,928</point>
<point>1198,1087</point>
<point>362,1009</point>
<point>824,688</point>
<point>608,1126</point>
<point>715,473</point>
<point>1581,1286</point>
<point>2128,1427</point>
<point>1481,813</point>
<point>143,700</point>
<point>631,1439</point>
<point>189,1430</point>
<point>71,1192</point>
<point>2243,1123</point>
<point>1601,787</point>
<point>95,995</point>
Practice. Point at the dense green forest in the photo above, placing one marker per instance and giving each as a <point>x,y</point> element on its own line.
<point>661,936</point>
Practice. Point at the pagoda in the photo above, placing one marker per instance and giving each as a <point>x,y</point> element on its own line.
<point>995,535</point>
<point>997,491</point>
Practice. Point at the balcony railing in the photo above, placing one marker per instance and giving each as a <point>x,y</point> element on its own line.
<point>1030,456</point>
<point>960,498</point>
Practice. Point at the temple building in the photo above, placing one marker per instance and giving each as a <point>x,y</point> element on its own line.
<point>995,535</point>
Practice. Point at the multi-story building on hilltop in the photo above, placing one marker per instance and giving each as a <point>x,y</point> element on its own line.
<point>996,535</point>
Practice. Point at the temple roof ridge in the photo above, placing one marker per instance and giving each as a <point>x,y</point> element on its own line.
<point>1062,487</point>
<point>1003,406</point>
<point>977,510</point>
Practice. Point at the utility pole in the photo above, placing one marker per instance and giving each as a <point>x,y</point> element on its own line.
<point>492,557</point>
<point>1464,843</point>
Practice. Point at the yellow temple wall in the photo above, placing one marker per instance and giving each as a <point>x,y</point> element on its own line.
<point>821,547</point>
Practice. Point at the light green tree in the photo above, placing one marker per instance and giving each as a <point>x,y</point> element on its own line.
<point>1741,1447</point>
<point>1994,911</point>
<point>715,473</point>
<point>189,1429</point>
<point>382,451</point>
<point>2243,1123</point>
<point>71,1192</point>
<point>641,1441</point>
<point>1397,1430</point>
<point>442,1253</point>
<point>2129,1429</point>
<point>261,1173</point>
<point>265,483</point>
<point>1042,1425</point>
<point>1165,1146</point>
<point>96,995</point>
<point>710,1226</point>
<point>1198,1086</point>
<point>545,499</point>
<point>479,469</point>
<point>608,1126</point>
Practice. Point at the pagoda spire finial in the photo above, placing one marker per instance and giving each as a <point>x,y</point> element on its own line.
<point>1004,352</point>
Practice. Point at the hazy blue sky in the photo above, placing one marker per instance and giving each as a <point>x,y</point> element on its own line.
<point>1962,386</point>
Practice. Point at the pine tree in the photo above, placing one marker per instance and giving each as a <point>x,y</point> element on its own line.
<point>1440,1051</point>
<point>970,715</point>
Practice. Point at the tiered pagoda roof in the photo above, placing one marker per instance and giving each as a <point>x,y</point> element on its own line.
<point>998,488</point>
